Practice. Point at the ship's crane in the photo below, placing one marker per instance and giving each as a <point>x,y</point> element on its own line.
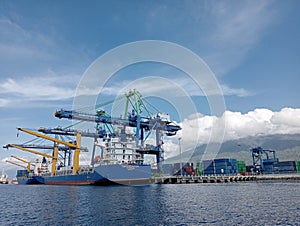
<point>23,160</point>
<point>262,158</point>
<point>54,157</point>
<point>17,164</point>
<point>158,122</point>
<point>73,132</point>
<point>65,149</point>
<point>76,146</point>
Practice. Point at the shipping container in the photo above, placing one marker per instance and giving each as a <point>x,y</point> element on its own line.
<point>207,164</point>
<point>241,166</point>
<point>199,168</point>
<point>285,167</point>
<point>220,166</point>
<point>298,166</point>
<point>22,173</point>
<point>187,169</point>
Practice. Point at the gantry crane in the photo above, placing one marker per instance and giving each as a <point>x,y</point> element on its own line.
<point>76,146</point>
<point>261,158</point>
<point>160,123</point>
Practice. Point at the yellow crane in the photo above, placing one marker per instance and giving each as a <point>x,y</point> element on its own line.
<point>14,163</point>
<point>76,146</point>
<point>54,157</point>
<point>23,160</point>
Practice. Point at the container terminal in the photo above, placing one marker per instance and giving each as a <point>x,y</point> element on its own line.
<point>119,148</point>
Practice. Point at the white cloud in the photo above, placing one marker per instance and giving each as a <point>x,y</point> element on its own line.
<point>47,87</point>
<point>198,127</point>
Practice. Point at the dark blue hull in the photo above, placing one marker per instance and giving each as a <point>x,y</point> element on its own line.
<point>102,175</point>
<point>28,180</point>
<point>124,174</point>
<point>78,179</point>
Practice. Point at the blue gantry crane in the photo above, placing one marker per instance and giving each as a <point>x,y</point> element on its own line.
<point>263,159</point>
<point>158,123</point>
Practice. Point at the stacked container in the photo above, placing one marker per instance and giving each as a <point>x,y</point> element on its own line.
<point>298,166</point>
<point>241,167</point>
<point>220,166</point>
<point>285,167</point>
<point>199,168</point>
<point>208,167</point>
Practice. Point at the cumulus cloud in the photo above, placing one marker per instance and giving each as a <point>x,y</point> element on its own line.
<point>197,129</point>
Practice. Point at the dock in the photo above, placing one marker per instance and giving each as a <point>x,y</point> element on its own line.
<point>201,179</point>
<point>294,176</point>
<point>190,179</point>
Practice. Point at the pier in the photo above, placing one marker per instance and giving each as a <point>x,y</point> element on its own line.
<point>221,178</point>
<point>201,179</point>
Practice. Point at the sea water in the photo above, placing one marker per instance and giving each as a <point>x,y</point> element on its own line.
<point>243,203</point>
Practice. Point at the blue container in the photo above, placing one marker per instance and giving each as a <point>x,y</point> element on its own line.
<point>167,169</point>
<point>208,172</point>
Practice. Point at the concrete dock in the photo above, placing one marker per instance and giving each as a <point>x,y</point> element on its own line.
<point>201,179</point>
<point>221,178</point>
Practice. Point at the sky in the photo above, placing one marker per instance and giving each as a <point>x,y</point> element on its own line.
<point>252,49</point>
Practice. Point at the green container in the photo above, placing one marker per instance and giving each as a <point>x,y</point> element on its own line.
<point>241,166</point>
<point>199,168</point>
<point>297,166</point>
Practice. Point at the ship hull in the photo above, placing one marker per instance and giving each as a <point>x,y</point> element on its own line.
<point>103,175</point>
<point>78,179</point>
<point>124,174</point>
<point>28,180</point>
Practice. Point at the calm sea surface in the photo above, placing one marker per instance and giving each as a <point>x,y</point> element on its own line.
<point>253,203</point>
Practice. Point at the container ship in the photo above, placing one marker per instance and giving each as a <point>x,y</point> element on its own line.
<point>121,146</point>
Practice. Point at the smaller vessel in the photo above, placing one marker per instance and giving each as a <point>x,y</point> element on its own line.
<point>14,181</point>
<point>4,178</point>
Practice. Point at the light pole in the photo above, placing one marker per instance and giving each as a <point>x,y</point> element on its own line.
<point>180,155</point>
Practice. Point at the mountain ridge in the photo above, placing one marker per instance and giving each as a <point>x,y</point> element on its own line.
<point>287,147</point>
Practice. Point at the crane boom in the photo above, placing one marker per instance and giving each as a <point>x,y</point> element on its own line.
<point>144,122</point>
<point>47,137</point>
<point>50,147</point>
<point>28,150</point>
<point>54,157</point>
<point>14,163</point>
<point>70,132</point>
<point>76,146</point>
<point>23,160</point>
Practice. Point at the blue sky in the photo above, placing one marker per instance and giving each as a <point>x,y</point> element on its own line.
<point>252,47</point>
